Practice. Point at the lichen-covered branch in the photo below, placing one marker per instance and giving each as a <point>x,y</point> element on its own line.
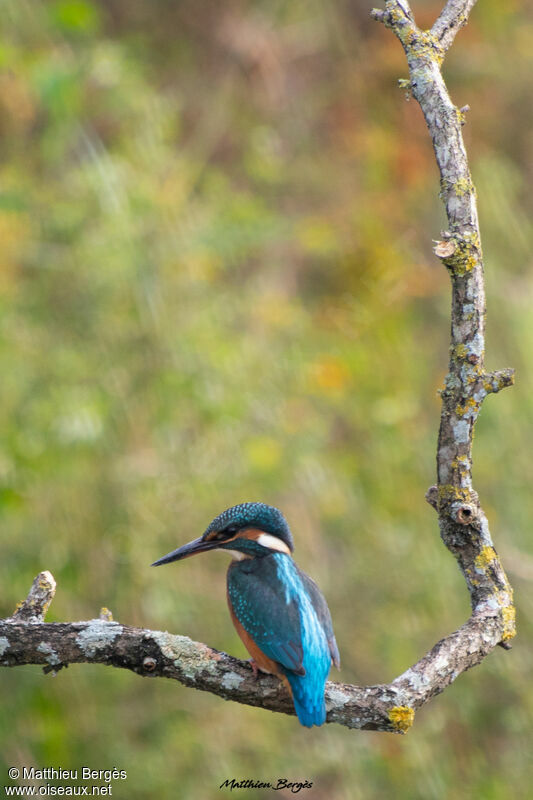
<point>453,16</point>
<point>464,527</point>
<point>26,639</point>
<point>391,707</point>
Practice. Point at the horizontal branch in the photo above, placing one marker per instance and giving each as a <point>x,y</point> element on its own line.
<point>387,707</point>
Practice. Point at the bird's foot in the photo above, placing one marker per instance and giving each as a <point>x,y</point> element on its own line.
<point>255,668</point>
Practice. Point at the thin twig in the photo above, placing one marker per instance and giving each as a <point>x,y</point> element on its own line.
<point>452,18</point>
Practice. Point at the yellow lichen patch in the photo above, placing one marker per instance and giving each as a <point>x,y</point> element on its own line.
<point>466,265</point>
<point>509,623</point>
<point>508,611</point>
<point>498,383</point>
<point>469,405</point>
<point>461,464</point>
<point>467,252</point>
<point>106,614</point>
<point>45,606</point>
<point>462,186</point>
<point>460,351</point>
<point>475,241</point>
<point>484,558</point>
<point>402,717</point>
<point>395,14</point>
<point>423,44</point>
<point>436,47</point>
<point>448,493</point>
<point>475,372</point>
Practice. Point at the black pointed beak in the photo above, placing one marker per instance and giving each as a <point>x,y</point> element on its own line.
<point>187,550</point>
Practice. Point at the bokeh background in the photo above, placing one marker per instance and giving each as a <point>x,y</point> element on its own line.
<point>217,285</point>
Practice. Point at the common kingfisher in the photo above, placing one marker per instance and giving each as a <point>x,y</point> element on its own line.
<point>278,611</point>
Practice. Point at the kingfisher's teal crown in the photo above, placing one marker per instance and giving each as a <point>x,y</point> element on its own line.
<point>253,515</point>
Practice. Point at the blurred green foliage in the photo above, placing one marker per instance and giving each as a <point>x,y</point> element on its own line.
<point>217,285</point>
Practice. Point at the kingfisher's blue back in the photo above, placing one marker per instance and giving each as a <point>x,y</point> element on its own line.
<point>284,613</point>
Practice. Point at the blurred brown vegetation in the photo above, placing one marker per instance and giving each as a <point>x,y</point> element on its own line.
<point>217,285</point>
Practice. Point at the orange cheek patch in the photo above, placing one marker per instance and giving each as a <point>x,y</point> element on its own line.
<point>252,533</point>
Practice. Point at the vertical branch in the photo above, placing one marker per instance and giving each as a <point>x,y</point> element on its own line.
<point>463,524</point>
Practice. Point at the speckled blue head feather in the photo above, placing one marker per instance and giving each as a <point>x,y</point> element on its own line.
<point>254,515</point>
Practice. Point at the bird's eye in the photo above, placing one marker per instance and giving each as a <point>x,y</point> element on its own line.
<point>227,533</point>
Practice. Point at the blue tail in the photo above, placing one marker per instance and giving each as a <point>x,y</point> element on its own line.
<point>308,697</point>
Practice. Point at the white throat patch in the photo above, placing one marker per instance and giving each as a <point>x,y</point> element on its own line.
<point>236,554</point>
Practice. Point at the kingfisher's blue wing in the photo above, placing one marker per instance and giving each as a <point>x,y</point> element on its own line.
<point>321,607</point>
<point>285,614</point>
<point>259,600</point>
